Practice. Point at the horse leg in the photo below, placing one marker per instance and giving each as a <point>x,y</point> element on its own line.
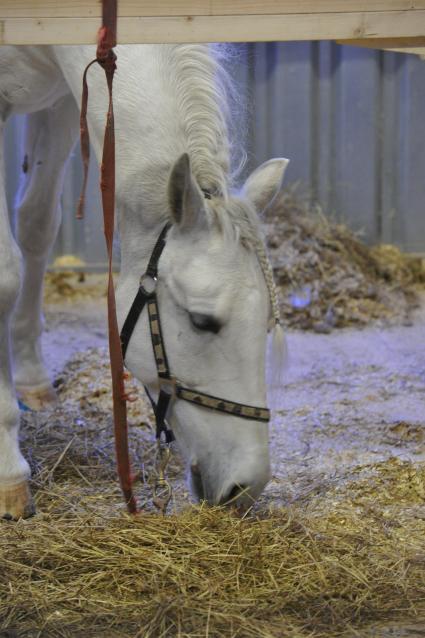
<point>15,498</point>
<point>49,138</point>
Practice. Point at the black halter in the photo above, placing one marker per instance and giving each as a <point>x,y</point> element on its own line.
<point>169,386</point>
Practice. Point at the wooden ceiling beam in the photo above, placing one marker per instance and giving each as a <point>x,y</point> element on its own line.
<point>416,46</point>
<point>152,21</point>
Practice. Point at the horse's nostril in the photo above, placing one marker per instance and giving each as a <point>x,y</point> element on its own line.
<point>196,482</point>
<point>236,491</point>
<point>195,469</point>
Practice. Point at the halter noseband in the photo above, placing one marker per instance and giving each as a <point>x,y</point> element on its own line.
<point>169,386</point>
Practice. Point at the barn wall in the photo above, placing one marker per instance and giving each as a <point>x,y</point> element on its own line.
<point>350,119</point>
<point>352,122</point>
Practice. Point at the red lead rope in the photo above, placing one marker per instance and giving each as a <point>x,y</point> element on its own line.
<point>106,58</point>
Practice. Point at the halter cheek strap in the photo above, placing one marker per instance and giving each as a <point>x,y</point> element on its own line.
<point>145,291</point>
<point>169,386</point>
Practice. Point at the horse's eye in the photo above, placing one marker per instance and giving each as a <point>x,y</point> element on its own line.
<point>205,322</point>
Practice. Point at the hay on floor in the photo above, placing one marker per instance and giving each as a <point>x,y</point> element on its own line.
<point>328,565</point>
<point>296,572</point>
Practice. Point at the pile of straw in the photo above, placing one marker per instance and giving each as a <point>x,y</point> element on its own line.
<point>328,278</point>
<point>331,564</point>
<point>68,285</point>
<point>295,572</point>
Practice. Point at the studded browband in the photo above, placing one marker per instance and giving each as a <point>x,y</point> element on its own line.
<point>169,386</point>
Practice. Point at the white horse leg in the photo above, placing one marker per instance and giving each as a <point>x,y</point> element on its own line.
<point>15,498</point>
<point>49,138</point>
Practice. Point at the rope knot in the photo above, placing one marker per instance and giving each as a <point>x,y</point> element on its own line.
<point>107,61</point>
<point>106,40</point>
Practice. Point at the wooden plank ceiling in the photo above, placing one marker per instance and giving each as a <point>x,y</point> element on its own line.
<point>390,24</point>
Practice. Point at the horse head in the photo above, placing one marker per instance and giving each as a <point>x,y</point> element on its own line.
<point>213,294</point>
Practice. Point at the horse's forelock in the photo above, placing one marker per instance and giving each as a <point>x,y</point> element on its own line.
<point>236,220</point>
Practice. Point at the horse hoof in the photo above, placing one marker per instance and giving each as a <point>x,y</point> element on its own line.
<point>16,502</point>
<point>37,397</point>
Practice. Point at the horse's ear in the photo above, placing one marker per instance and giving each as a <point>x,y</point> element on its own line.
<point>184,195</point>
<point>265,182</point>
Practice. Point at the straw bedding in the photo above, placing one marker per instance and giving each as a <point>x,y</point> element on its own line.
<point>206,573</point>
<point>328,278</point>
<point>330,564</point>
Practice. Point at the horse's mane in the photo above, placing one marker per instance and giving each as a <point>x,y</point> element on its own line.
<point>207,105</point>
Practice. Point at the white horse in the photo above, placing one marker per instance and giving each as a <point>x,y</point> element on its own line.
<point>214,285</point>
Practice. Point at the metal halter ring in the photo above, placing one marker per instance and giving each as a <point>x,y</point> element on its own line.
<point>162,490</point>
<point>148,283</point>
